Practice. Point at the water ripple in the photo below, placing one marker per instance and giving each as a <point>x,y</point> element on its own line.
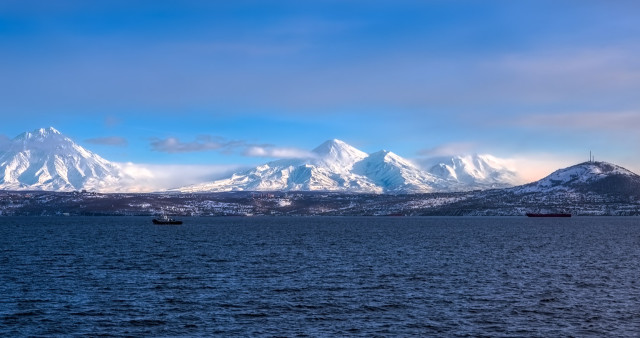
<point>366,276</point>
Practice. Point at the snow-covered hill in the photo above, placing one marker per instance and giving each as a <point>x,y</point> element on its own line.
<point>589,188</point>
<point>473,172</point>
<point>595,177</point>
<point>335,166</point>
<point>44,159</point>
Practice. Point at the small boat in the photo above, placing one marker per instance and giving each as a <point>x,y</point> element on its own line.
<point>166,220</point>
<point>529,214</point>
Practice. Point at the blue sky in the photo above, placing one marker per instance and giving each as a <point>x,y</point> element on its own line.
<point>203,82</point>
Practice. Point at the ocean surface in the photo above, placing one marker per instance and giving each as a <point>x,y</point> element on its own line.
<point>347,276</point>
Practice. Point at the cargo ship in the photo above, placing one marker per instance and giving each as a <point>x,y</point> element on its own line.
<point>530,214</point>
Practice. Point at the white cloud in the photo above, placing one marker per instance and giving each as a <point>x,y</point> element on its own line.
<point>450,149</point>
<point>211,143</point>
<point>202,143</point>
<point>267,151</point>
<point>158,177</point>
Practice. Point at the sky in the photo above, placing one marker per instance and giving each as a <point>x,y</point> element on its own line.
<point>215,85</point>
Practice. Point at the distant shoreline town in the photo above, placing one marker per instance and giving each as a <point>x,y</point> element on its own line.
<point>586,189</point>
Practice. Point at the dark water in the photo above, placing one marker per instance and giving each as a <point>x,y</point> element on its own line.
<point>320,276</point>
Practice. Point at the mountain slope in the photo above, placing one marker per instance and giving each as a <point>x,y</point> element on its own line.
<point>589,188</point>
<point>595,177</point>
<point>335,166</point>
<point>44,159</point>
<point>337,156</point>
<point>473,172</point>
<point>395,174</point>
<point>328,170</point>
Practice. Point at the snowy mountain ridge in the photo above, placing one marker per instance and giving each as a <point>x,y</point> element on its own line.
<point>339,166</point>
<point>44,159</point>
<point>330,170</point>
<point>337,155</point>
<point>477,171</point>
<point>396,174</point>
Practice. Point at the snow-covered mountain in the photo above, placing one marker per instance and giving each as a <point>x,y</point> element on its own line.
<point>473,172</point>
<point>396,174</point>
<point>334,166</point>
<point>336,155</point>
<point>594,177</point>
<point>44,159</point>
